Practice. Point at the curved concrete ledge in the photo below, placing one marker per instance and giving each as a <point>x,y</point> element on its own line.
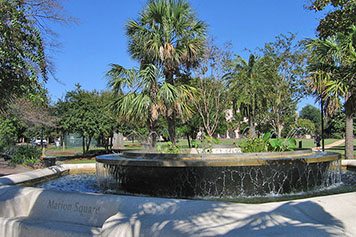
<point>46,173</point>
<point>84,166</point>
<point>349,164</point>
<point>33,176</point>
<point>26,211</point>
<point>150,159</point>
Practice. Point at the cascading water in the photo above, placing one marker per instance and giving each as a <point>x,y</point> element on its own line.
<point>218,175</point>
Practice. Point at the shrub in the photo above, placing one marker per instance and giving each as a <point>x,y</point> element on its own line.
<point>169,148</point>
<point>7,134</point>
<point>206,144</point>
<point>267,143</point>
<point>26,155</point>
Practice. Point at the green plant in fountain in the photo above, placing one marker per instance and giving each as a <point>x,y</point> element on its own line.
<point>267,143</point>
<point>206,144</point>
<point>168,147</point>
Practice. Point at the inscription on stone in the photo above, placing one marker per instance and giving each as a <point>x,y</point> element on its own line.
<point>73,207</point>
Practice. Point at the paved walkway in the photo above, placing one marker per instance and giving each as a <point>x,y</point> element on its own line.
<point>331,145</point>
<point>7,169</point>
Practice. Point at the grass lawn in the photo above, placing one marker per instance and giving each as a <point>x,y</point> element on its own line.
<point>72,151</point>
<point>341,149</point>
<point>309,143</point>
<point>79,161</point>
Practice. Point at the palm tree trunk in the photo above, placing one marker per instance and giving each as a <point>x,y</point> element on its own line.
<point>279,130</point>
<point>188,139</point>
<point>349,136</point>
<point>171,120</point>
<point>252,130</point>
<point>172,127</point>
<point>153,133</point>
<point>252,127</point>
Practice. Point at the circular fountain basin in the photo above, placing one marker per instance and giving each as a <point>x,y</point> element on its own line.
<point>223,175</point>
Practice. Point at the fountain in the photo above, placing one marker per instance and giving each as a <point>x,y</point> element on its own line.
<point>221,175</point>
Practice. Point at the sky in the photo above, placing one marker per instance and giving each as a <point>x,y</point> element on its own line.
<point>98,39</point>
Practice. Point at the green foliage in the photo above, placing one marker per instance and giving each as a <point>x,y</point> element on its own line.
<point>168,35</point>
<point>254,145</point>
<point>311,113</point>
<point>86,113</point>
<point>23,67</point>
<point>210,103</point>
<point>26,155</point>
<point>305,126</point>
<point>147,98</point>
<point>8,133</point>
<point>335,126</point>
<point>265,89</point>
<point>212,97</point>
<point>282,144</point>
<point>341,15</point>
<point>168,147</point>
<point>206,144</point>
<point>332,76</point>
<point>267,143</point>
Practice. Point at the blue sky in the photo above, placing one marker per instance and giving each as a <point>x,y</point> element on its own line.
<point>87,48</point>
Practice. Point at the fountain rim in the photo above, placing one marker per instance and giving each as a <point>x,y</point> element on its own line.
<point>152,159</point>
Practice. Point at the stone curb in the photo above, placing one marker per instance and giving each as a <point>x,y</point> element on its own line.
<point>46,173</point>
<point>348,163</point>
<point>84,166</point>
<point>33,176</point>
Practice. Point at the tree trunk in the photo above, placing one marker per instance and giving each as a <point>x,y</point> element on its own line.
<point>252,128</point>
<point>279,130</point>
<point>188,138</point>
<point>88,143</point>
<point>83,144</point>
<point>349,136</point>
<point>153,133</point>
<point>171,120</point>
<point>111,141</point>
<point>172,128</point>
<point>63,142</point>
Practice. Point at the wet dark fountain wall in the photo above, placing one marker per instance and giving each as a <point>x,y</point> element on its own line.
<point>217,176</point>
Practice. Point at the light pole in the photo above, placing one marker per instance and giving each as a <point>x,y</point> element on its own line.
<point>322,123</point>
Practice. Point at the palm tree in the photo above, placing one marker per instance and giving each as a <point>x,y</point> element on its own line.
<point>168,35</point>
<point>248,86</point>
<point>333,70</point>
<point>147,98</point>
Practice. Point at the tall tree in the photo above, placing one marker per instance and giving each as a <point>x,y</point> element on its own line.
<point>169,35</point>
<point>333,66</point>
<point>284,61</point>
<point>212,94</point>
<point>84,112</point>
<point>250,87</point>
